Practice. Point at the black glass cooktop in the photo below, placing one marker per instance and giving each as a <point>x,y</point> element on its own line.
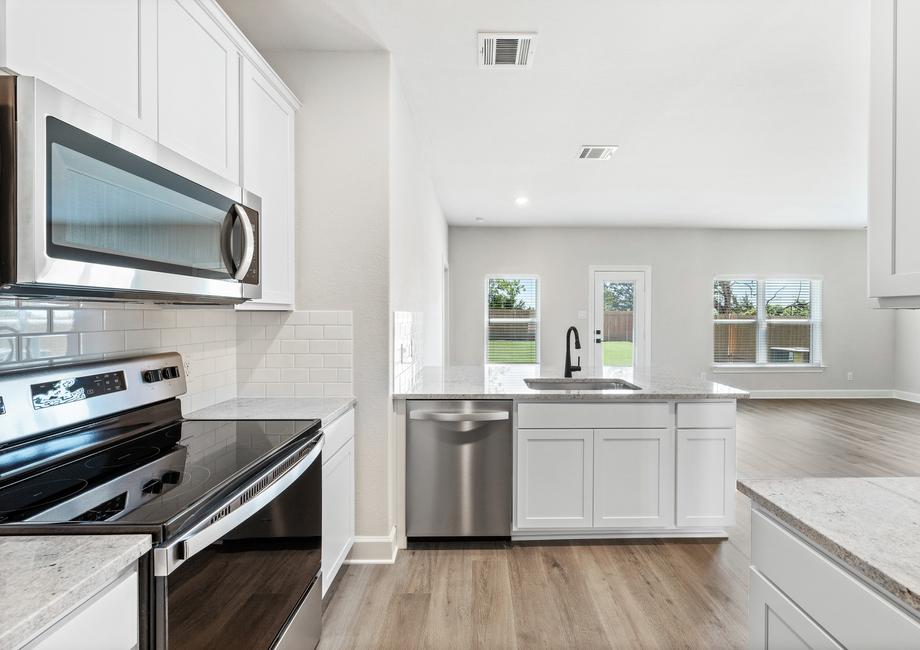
<point>149,479</point>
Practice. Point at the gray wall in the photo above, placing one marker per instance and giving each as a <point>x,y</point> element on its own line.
<point>342,234</point>
<point>684,262</point>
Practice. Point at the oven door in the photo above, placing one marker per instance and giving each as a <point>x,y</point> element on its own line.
<point>104,211</point>
<point>248,576</point>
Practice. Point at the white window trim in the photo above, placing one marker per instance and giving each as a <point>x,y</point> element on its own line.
<point>816,321</point>
<point>485,303</point>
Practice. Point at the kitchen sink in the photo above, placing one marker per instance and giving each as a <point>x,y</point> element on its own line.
<point>579,383</point>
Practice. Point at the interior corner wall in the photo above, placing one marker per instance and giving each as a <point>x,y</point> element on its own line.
<point>418,230</point>
<point>857,338</point>
<point>342,235</point>
<point>906,346</point>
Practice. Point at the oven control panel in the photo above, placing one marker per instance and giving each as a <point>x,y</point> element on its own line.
<point>75,389</point>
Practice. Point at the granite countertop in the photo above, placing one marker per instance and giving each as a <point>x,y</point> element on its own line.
<point>491,381</point>
<point>46,577</point>
<point>872,525</point>
<point>325,409</point>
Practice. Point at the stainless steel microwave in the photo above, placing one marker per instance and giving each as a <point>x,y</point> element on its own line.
<point>90,208</point>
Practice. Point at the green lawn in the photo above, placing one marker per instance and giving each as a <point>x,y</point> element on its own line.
<point>616,353</point>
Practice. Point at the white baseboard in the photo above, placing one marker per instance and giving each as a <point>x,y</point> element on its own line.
<point>906,396</point>
<point>374,549</point>
<point>880,393</point>
<point>697,533</point>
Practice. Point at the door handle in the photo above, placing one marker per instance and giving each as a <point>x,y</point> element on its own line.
<point>249,242</point>
<point>442,416</point>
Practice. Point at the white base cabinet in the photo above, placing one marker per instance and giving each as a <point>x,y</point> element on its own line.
<point>633,478</point>
<point>800,598</point>
<point>107,621</point>
<point>554,475</point>
<point>652,469</point>
<point>338,495</point>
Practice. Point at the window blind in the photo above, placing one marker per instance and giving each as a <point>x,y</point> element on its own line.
<point>512,322</point>
<point>766,321</point>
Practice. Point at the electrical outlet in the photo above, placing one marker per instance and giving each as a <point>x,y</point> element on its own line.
<point>850,375</point>
<point>187,367</point>
<point>582,314</point>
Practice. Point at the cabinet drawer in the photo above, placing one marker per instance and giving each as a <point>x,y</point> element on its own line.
<point>776,623</point>
<point>857,616</point>
<point>593,416</point>
<point>706,415</point>
<point>337,433</point>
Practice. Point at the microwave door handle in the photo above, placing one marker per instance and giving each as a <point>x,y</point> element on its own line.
<point>226,242</point>
<point>249,243</point>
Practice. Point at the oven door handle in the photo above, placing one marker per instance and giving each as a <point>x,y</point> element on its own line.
<point>244,504</point>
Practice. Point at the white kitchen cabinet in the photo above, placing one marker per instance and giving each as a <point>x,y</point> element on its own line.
<point>102,52</point>
<point>775,623</point>
<point>268,171</point>
<point>857,616</point>
<point>198,76</point>
<point>705,477</point>
<point>633,478</point>
<point>554,478</point>
<point>894,154</point>
<point>107,621</point>
<point>338,497</point>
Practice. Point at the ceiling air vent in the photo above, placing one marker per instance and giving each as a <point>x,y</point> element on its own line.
<point>597,151</point>
<point>506,50</point>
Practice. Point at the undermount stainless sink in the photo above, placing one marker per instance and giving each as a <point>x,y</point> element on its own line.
<point>579,383</point>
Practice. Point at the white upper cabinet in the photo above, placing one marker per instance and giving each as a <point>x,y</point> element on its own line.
<point>198,83</point>
<point>102,52</point>
<point>268,171</point>
<point>894,155</point>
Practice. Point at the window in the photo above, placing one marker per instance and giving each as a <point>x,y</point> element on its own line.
<point>766,322</point>
<point>512,319</point>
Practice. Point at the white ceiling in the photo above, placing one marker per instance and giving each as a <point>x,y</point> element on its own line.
<point>728,113</point>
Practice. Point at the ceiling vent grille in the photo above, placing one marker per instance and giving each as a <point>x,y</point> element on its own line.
<point>597,151</point>
<point>506,50</point>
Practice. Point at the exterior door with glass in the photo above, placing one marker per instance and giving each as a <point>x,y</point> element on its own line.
<point>620,327</point>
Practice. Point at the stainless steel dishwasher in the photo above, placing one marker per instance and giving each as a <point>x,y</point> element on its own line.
<point>458,468</point>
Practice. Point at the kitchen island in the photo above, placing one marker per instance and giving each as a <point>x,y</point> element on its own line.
<point>657,461</point>
<point>855,539</point>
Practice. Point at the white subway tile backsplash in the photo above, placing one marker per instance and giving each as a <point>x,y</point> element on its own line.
<point>76,320</point>
<point>100,342</point>
<point>123,319</point>
<point>227,353</point>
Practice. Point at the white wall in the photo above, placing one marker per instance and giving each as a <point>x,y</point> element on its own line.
<point>683,263</point>
<point>907,353</point>
<point>418,231</point>
<point>342,234</point>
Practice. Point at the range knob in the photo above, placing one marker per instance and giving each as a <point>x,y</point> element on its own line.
<point>151,376</point>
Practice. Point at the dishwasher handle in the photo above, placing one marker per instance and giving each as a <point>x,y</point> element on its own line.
<point>459,416</point>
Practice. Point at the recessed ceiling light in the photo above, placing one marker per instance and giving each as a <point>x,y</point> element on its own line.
<point>479,219</point>
<point>521,200</point>
<point>597,151</point>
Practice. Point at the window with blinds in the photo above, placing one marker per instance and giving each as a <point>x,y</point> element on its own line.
<point>766,322</point>
<point>513,319</point>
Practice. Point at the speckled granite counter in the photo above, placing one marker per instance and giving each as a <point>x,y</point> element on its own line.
<point>507,381</point>
<point>44,578</point>
<point>870,524</point>
<point>325,409</point>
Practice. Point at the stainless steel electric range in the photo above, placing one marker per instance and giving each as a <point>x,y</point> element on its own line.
<point>234,508</point>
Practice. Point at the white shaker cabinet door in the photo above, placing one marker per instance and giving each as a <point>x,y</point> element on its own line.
<point>633,478</point>
<point>101,52</point>
<point>776,623</point>
<point>705,477</point>
<point>338,510</point>
<point>199,88</point>
<point>268,171</point>
<point>554,478</point>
